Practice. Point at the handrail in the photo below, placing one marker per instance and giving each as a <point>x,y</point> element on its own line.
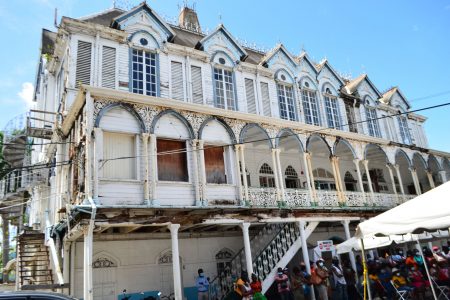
<point>54,255</point>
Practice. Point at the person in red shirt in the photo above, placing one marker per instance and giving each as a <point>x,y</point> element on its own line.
<point>257,288</point>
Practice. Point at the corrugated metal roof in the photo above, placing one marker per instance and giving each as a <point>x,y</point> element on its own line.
<point>185,37</point>
<point>103,18</point>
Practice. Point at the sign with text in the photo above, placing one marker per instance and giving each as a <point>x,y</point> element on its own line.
<point>326,245</point>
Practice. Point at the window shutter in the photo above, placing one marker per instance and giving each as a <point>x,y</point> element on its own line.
<point>197,89</point>
<point>177,80</point>
<point>250,95</point>
<point>265,99</point>
<point>109,67</point>
<point>83,70</point>
<point>117,145</point>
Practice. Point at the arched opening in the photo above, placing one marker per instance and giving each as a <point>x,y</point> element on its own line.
<point>378,171</point>
<point>321,164</point>
<point>421,170</point>
<point>291,159</point>
<point>324,179</point>
<point>344,151</point>
<point>291,178</point>
<point>224,269</point>
<point>434,168</point>
<point>403,163</point>
<point>446,168</point>
<point>266,176</point>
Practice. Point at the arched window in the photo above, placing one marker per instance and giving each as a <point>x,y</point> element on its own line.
<point>144,65</point>
<point>331,108</point>
<point>266,177</point>
<point>291,178</point>
<point>224,82</point>
<point>286,97</point>
<point>310,105</point>
<point>371,118</point>
<point>349,182</point>
<point>323,179</point>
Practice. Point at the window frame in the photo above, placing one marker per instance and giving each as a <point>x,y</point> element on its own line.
<point>404,130</point>
<point>307,106</point>
<point>372,121</point>
<point>267,178</point>
<point>187,158</point>
<point>332,110</point>
<point>223,82</point>
<point>283,100</point>
<point>144,82</point>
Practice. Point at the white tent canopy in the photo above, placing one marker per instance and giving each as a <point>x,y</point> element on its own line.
<point>427,212</point>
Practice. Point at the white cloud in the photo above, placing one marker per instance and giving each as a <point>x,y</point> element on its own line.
<point>26,94</point>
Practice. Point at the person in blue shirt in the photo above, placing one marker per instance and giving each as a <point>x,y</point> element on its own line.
<point>202,285</point>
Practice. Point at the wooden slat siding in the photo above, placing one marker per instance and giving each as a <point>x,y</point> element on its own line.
<point>215,165</point>
<point>250,95</point>
<point>197,88</point>
<point>172,167</point>
<point>83,69</point>
<point>120,192</point>
<point>117,145</point>
<point>177,88</point>
<point>175,194</point>
<point>266,99</point>
<point>120,120</point>
<point>221,192</point>
<point>109,67</point>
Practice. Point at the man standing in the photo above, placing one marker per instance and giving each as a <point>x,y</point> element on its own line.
<point>202,285</point>
<point>320,279</point>
<point>282,281</point>
<point>339,280</point>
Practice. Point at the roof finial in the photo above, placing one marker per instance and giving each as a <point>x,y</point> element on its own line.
<point>220,18</point>
<point>114,3</point>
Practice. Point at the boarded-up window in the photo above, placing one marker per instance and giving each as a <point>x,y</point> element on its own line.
<point>119,154</point>
<point>172,161</point>
<point>177,80</point>
<point>265,99</point>
<point>215,165</point>
<point>197,88</point>
<point>83,69</point>
<point>250,95</point>
<point>109,67</point>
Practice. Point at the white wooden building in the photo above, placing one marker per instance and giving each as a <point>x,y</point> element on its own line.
<point>177,150</point>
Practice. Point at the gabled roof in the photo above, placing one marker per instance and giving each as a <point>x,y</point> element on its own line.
<point>353,85</point>
<point>222,29</point>
<point>278,48</point>
<point>304,56</point>
<point>325,64</point>
<point>143,6</point>
<point>104,17</point>
<point>387,96</point>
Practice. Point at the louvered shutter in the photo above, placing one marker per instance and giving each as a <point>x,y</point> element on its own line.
<point>266,99</point>
<point>177,80</point>
<point>109,67</point>
<point>83,70</point>
<point>197,89</point>
<point>250,95</point>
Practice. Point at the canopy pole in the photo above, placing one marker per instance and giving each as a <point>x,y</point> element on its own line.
<point>426,269</point>
<point>365,273</point>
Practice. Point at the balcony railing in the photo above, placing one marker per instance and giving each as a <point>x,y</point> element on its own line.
<point>300,198</point>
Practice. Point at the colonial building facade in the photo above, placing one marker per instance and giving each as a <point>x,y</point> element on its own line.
<point>173,150</point>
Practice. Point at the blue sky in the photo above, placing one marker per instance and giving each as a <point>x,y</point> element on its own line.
<point>403,42</point>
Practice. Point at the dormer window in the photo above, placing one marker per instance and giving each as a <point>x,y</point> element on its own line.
<point>331,108</point>
<point>224,83</point>
<point>310,105</point>
<point>286,98</point>
<point>372,120</point>
<point>404,130</point>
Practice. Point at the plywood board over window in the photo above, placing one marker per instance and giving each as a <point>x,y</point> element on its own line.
<point>215,165</point>
<point>172,160</point>
<point>119,154</point>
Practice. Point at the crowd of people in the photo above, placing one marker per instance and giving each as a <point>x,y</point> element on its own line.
<point>388,274</point>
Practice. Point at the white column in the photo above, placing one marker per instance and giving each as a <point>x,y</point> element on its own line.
<point>416,181</point>
<point>242,153</point>
<point>335,169</point>
<point>301,225</point>
<point>275,173</point>
<point>154,168</point>
<point>247,249</point>
<point>391,175</point>
<point>176,261</point>
<point>369,180</point>
<point>400,181</point>
<point>98,149</point>
<point>88,149</point>
<point>280,175</point>
<point>430,179</point>
<point>66,263</point>
<point>311,177</point>
<point>346,224</point>
<point>87,266</point>
<point>308,179</point>
<point>202,172</point>
<point>443,176</point>
<point>238,173</point>
<point>145,137</point>
<point>360,182</point>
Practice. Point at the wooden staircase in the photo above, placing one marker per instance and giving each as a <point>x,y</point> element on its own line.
<point>34,271</point>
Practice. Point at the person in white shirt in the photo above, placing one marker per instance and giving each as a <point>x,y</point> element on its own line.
<point>202,285</point>
<point>339,280</point>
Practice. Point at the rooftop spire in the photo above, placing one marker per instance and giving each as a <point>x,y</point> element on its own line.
<point>188,19</point>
